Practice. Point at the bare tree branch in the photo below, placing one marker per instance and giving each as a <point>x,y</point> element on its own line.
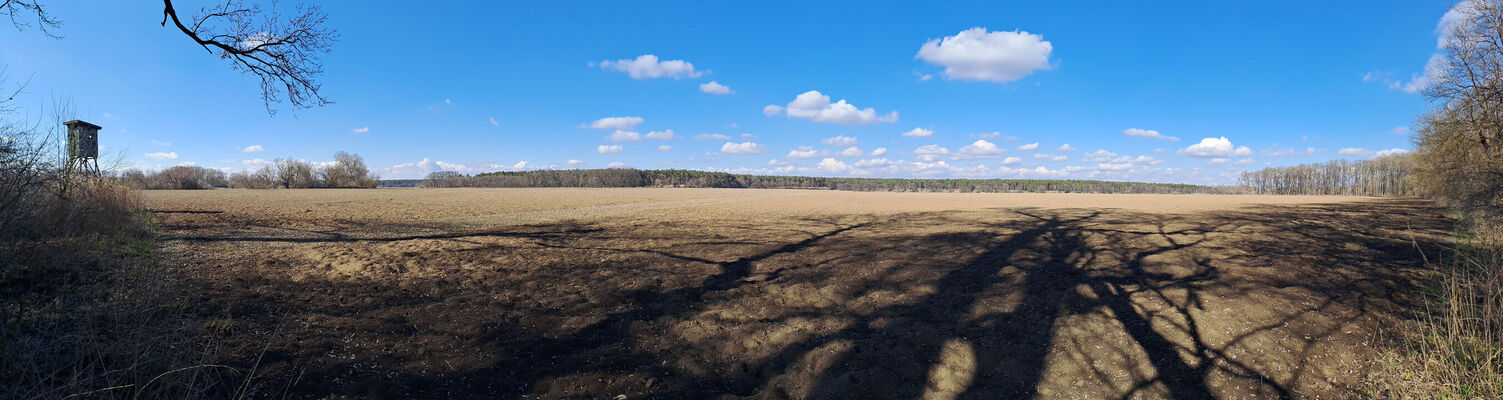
<point>283,53</point>
<point>20,12</point>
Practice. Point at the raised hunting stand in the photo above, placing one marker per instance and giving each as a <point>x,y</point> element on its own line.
<point>83,147</point>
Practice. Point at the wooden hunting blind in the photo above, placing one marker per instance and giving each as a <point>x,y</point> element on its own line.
<point>83,145</point>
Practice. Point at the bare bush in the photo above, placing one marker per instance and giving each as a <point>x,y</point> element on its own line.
<point>348,171</point>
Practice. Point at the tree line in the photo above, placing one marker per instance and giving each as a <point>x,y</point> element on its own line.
<point>1383,176</point>
<point>621,177</point>
<point>346,171</point>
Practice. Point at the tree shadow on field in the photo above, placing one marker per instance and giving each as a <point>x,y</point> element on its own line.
<point>1267,301</point>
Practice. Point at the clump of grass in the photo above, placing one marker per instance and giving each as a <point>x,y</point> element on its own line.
<point>1455,350</point>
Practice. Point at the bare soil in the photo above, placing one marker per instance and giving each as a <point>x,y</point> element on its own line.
<point>705,293</point>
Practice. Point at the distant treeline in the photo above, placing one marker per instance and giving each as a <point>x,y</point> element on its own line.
<point>346,171</point>
<point>615,178</point>
<point>1383,176</point>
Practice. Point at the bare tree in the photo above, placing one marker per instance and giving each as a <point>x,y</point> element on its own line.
<point>1460,144</point>
<point>282,50</point>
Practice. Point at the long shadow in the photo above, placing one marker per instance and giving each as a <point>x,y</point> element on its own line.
<point>1003,292</point>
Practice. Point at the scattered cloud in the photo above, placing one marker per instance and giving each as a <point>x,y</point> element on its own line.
<point>832,165</point>
<point>255,162</point>
<point>255,148</point>
<point>851,152</point>
<point>166,155</point>
<point>647,66</point>
<point>918,133</point>
<point>1354,152</point>
<point>742,148</point>
<point>806,152</point>
<point>1099,156</point>
<point>1012,161</point>
<point>1050,157</point>
<point>994,136</point>
<point>840,141</point>
<point>623,136</point>
<point>494,122</point>
<point>1066,147</point>
<point>815,106</point>
<point>711,136</point>
<point>520,165</point>
<point>713,87</point>
<point>1029,147</point>
<point>1399,130</point>
<point>980,149</point>
<point>610,149</point>
<point>574,162</point>
<point>363,129</point>
<point>880,151</point>
<point>666,134</point>
<point>748,136</point>
<point>922,77</point>
<point>161,143</point>
<point>1278,151</point>
<point>618,164</point>
<point>622,123</point>
<point>1148,133</point>
<point>977,55</point>
<point>1215,148</point>
<point>665,148</point>
<point>1390,152</point>
<point>930,152</point>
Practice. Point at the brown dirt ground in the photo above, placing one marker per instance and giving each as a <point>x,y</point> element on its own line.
<point>703,293</point>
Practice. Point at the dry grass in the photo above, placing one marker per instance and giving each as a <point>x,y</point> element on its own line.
<point>88,309</point>
<point>1456,350</point>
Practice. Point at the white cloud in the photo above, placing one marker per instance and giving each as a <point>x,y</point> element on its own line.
<point>1050,157</point>
<point>1066,147</point>
<point>713,87</point>
<point>1399,130</point>
<point>364,129</point>
<point>1218,161</point>
<point>742,148</point>
<point>161,143</point>
<point>851,152</point>
<point>1245,161</point>
<point>880,151</point>
<point>994,135</point>
<point>806,152</point>
<point>666,134</point>
<point>1355,152</point>
<point>1012,161</point>
<point>832,165</point>
<point>922,77</point>
<point>1277,151</point>
<point>918,133</point>
<point>1390,152</point>
<point>623,136</point>
<point>494,122</point>
<point>1099,156</point>
<point>772,109</point>
<point>875,162</point>
<point>1215,148</point>
<point>519,165</point>
<point>1029,147</point>
<point>815,106</point>
<point>711,136</point>
<point>166,155</point>
<point>255,163</point>
<point>930,152</point>
<point>622,123</point>
<point>647,66</point>
<point>980,149</point>
<point>840,141</point>
<point>977,55</point>
<point>610,149</point>
<point>574,162</point>
<point>748,136</point>
<point>1148,133</point>
<point>1114,166</point>
<point>255,148</point>
<point>665,148</point>
<point>618,164</point>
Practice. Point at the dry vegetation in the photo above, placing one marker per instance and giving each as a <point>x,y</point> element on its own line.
<point>700,292</point>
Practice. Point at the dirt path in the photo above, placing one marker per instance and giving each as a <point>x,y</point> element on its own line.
<point>593,293</point>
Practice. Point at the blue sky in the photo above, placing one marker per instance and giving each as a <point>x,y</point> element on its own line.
<point>482,87</point>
